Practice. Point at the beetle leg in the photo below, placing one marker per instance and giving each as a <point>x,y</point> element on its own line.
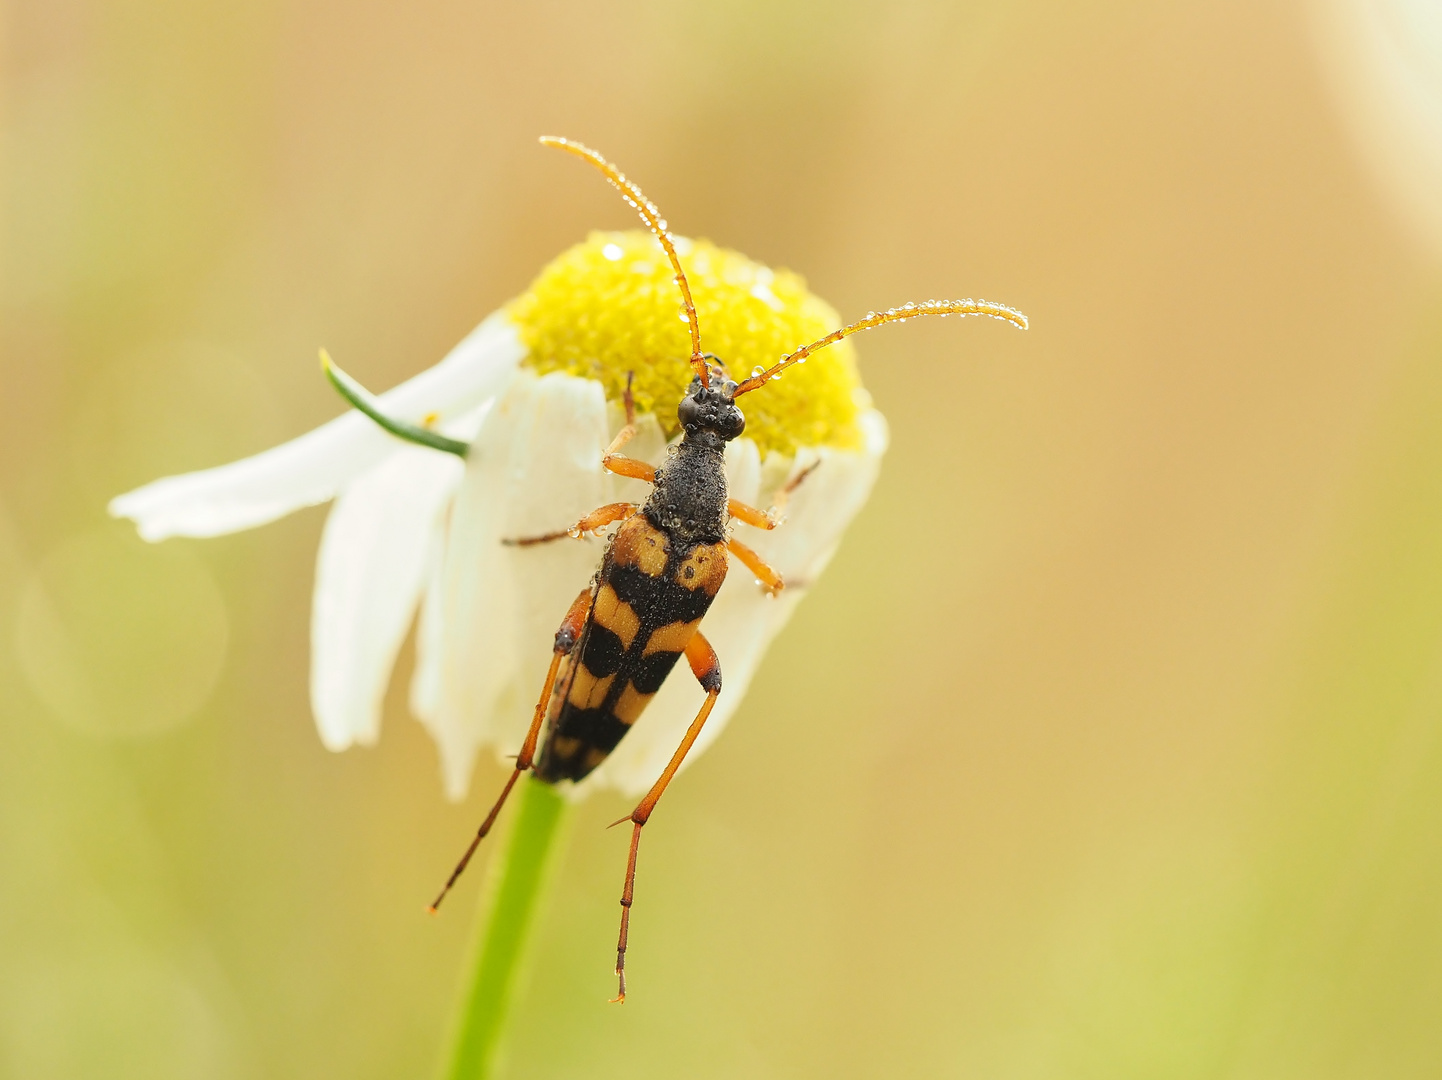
<point>762,519</point>
<point>707,670</point>
<point>767,575</point>
<point>634,468</point>
<point>566,638</point>
<point>596,519</point>
<point>627,432</point>
<point>769,519</point>
<point>613,460</point>
<point>630,467</point>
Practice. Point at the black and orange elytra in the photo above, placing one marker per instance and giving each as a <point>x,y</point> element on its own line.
<point>651,595</point>
<point>662,569</point>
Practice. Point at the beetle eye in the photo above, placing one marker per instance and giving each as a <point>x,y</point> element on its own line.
<point>687,411</point>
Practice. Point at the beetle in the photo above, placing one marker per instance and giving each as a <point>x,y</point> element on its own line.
<point>661,569</point>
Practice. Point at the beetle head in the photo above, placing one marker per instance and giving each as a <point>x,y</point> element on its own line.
<point>711,410</point>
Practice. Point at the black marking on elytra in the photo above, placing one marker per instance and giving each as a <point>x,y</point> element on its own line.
<point>658,600</point>
<point>651,671</point>
<point>604,652</point>
<point>596,727</point>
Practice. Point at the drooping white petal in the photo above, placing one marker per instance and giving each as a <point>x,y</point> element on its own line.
<point>315,466</point>
<point>492,614</point>
<point>745,618</point>
<point>373,555</point>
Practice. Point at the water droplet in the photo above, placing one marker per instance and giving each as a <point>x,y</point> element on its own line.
<point>803,359</point>
<point>757,371</point>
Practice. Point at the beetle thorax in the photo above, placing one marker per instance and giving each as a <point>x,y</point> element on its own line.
<point>689,497</point>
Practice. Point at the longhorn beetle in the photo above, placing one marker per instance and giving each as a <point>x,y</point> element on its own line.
<point>661,569</point>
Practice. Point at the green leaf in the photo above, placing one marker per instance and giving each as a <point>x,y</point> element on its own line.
<point>365,402</point>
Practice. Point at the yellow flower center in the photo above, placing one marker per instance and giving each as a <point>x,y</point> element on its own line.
<point>609,306</point>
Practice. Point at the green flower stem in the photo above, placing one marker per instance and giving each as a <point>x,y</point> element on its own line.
<point>516,879</point>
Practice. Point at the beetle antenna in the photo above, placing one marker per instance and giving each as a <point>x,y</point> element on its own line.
<point>656,223</point>
<point>760,378</point>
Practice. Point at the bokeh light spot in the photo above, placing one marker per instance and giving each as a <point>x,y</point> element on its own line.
<point>121,639</point>
<point>121,1014</point>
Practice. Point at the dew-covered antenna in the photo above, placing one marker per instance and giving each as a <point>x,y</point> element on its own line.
<point>760,377</point>
<point>657,224</point>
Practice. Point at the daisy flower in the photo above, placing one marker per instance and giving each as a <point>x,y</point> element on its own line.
<point>534,391</point>
<point>513,426</point>
<point>443,486</point>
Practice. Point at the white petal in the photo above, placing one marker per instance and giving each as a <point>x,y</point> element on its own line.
<point>535,468</point>
<point>744,618</point>
<point>369,571</point>
<point>425,692</point>
<point>315,466</point>
<point>823,506</point>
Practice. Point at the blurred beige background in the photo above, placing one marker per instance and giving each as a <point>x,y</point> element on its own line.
<point>1109,746</point>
